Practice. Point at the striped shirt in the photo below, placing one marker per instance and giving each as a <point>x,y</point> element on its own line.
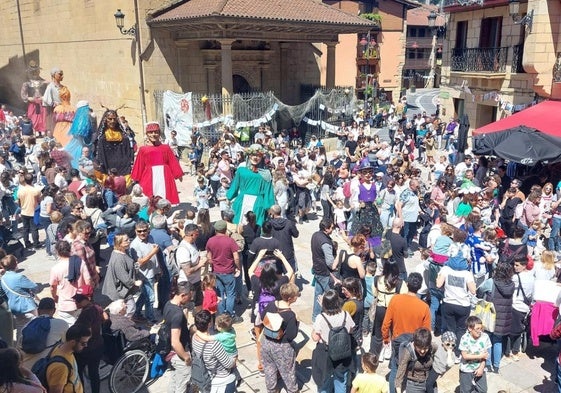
<point>216,360</point>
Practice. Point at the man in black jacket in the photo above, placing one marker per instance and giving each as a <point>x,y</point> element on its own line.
<point>284,231</point>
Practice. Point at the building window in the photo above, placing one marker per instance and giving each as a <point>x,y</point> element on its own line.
<point>461,34</point>
<point>490,34</point>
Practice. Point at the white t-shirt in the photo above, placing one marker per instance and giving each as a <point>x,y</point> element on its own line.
<point>188,254</point>
<point>455,286</point>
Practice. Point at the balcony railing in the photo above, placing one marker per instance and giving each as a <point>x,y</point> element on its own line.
<point>417,64</point>
<point>479,59</point>
<point>517,54</point>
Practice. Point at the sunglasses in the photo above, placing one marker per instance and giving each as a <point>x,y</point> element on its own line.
<point>141,230</point>
<point>450,345</point>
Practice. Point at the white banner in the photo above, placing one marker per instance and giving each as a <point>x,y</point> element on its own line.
<point>178,116</point>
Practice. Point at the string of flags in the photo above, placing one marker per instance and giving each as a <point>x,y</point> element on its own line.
<point>263,119</point>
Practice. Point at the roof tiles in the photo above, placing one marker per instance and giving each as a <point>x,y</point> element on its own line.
<point>313,11</point>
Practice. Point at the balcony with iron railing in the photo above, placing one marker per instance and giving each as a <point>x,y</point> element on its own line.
<point>491,60</point>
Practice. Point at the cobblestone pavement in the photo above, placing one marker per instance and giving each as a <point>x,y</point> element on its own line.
<point>530,374</point>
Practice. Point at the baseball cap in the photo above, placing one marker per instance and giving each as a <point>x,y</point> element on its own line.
<point>220,225</point>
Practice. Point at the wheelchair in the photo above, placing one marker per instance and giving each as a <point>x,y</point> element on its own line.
<point>127,364</point>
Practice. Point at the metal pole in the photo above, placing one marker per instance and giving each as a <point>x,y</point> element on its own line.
<point>140,68</point>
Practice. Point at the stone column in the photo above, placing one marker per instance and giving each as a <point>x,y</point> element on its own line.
<point>330,68</point>
<point>285,79</point>
<point>227,81</point>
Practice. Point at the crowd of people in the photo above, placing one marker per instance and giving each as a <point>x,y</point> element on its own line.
<point>479,231</point>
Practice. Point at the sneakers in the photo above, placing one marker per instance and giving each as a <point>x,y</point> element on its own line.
<point>237,319</point>
<point>515,357</point>
<point>457,360</point>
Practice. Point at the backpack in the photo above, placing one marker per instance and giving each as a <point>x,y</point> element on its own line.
<point>238,238</point>
<point>339,346</point>
<point>273,325</point>
<point>407,345</point>
<point>34,334</point>
<point>347,189</point>
<point>200,375</point>
<point>40,368</point>
<point>163,339</point>
<point>265,297</point>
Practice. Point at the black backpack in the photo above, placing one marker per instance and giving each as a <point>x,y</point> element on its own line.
<point>40,368</point>
<point>163,339</point>
<point>339,346</point>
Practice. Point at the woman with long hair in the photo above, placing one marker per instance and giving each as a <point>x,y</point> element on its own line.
<point>250,232</point>
<point>499,290</point>
<point>280,185</point>
<point>384,288</point>
<point>14,378</point>
<point>206,230</point>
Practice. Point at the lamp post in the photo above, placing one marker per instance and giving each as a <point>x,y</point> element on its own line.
<point>514,11</point>
<point>364,42</point>
<point>135,32</point>
<point>434,30</point>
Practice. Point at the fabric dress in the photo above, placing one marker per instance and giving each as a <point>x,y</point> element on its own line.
<point>63,117</point>
<point>35,110</point>
<point>253,191</point>
<point>80,133</point>
<point>113,150</point>
<point>156,169</point>
<point>368,215</point>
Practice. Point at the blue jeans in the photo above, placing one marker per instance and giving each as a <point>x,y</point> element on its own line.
<point>393,366</point>
<point>409,232</point>
<point>434,307</point>
<point>226,285</point>
<point>554,240</point>
<point>336,383</point>
<point>146,299</point>
<point>44,222</point>
<point>496,351</point>
<point>322,285</point>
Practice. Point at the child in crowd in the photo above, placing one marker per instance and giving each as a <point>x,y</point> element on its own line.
<point>190,216</point>
<point>227,337</point>
<point>56,218</point>
<point>490,249</point>
<point>210,299</point>
<point>368,381</point>
<point>474,347</point>
<point>193,160</point>
<point>221,194</point>
<point>531,236</point>
<point>368,297</point>
<point>202,193</point>
<point>339,213</point>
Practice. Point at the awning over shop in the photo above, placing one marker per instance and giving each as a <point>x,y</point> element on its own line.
<point>544,117</point>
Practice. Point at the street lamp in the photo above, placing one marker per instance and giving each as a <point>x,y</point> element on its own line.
<point>432,20</point>
<point>514,11</point>
<point>120,21</point>
<point>135,32</point>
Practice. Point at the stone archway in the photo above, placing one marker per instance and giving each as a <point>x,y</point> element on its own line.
<point>240,84</point>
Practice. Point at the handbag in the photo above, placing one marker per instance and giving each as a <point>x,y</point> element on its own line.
<point>485,311</point>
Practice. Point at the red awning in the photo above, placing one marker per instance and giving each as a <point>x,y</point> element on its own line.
<point>544,117</point>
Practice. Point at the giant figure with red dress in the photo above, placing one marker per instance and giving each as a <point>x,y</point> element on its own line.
<point>156,168</point>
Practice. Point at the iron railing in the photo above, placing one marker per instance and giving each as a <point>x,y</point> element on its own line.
<point>479,59</point>
<point>517,55</point>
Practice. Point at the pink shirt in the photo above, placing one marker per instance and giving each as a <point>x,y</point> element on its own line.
<point>65,290</point>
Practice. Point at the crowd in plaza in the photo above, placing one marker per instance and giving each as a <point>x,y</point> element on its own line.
<point>486,231</point>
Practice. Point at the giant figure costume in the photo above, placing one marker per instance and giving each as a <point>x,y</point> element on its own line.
<point>112,146</point>
<point>252,188</point>
<point>156,167</point>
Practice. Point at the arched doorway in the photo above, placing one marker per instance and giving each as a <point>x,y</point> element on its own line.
<point>241,85</point>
